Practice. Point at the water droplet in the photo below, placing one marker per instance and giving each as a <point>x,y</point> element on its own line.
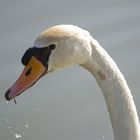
<point>18,136</point>
<point>27,125</point>
<point>7,120</point>
<point>7,102</point>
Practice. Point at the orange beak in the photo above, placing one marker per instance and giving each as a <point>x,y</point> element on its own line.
<point>30,75</point>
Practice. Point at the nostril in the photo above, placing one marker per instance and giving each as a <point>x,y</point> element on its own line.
<point>7,95</point>
<point>28,71</point>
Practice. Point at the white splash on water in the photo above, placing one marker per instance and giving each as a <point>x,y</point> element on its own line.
<point>21,132</point>
<point>18,136</point>
<point>12,130</point>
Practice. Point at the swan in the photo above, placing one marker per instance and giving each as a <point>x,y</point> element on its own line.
<point>64,45</point>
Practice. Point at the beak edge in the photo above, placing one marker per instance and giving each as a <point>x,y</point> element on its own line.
<point>7,95</point>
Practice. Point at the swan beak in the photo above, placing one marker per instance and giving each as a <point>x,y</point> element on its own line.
<point>30,75</point>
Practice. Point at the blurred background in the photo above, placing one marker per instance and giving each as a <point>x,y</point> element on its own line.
<point>66,105</point>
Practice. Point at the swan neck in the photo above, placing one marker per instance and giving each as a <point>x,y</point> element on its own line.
<point>118,98</point>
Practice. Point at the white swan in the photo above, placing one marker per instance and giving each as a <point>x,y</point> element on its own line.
<point>65,45</point>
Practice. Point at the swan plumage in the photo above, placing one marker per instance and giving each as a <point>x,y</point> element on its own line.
<point>65,45</point>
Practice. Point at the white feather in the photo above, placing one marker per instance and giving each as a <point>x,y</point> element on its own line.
<point>76,46</point>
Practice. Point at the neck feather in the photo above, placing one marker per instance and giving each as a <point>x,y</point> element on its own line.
<point>119,101</point>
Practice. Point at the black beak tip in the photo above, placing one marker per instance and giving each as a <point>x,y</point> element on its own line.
<point>7,95</point>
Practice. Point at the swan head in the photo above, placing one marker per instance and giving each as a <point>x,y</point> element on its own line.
<point>58,47</point>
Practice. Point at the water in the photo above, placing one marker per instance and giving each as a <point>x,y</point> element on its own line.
<point>12,131</point>
<point>62,105</point>
<point>20,132</point>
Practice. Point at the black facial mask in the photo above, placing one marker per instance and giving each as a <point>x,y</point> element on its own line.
<point>42,54</point>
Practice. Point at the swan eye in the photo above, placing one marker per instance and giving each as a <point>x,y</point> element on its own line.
<point>52,46</point>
